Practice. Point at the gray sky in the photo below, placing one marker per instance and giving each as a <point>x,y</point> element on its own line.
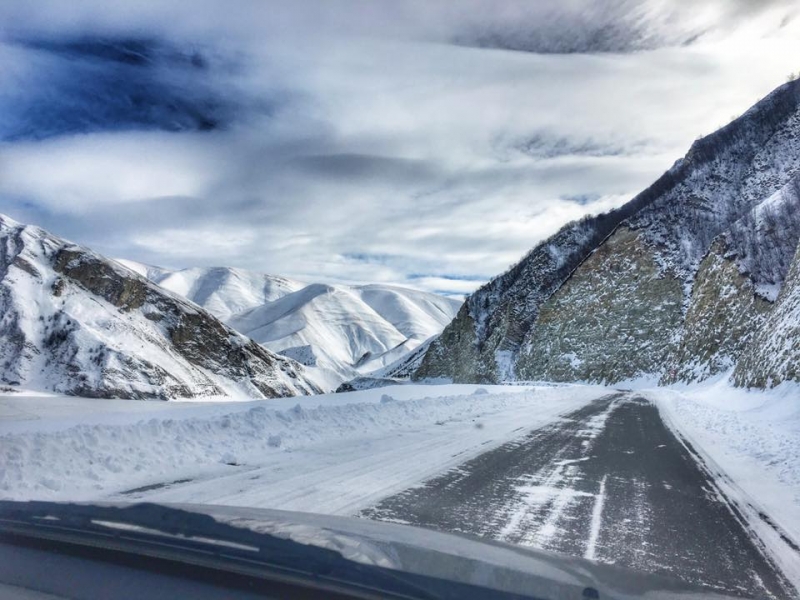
<point>423,143</point>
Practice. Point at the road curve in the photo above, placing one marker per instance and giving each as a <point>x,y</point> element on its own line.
<point>611,483</point>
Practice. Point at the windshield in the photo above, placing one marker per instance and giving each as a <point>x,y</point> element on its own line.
<point>256,255</point>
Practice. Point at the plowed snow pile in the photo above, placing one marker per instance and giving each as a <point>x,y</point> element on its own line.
<point>79,449</point>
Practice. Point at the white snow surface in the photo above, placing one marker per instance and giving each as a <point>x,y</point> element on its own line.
<point>49,340</point>
<point>222,291</point>
<point>750,441</point>
<point>339,453</point>
<point>339,332</point>
<point>332,454</point>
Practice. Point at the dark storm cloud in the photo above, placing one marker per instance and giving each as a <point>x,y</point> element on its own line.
<point>364,166</point>
<point>563,26</point>
<point>571,27</point>
<point>548,145</point>
<point>89,84</point>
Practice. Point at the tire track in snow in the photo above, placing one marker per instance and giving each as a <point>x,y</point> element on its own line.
<point>507,493</point>
<point>557,488</point>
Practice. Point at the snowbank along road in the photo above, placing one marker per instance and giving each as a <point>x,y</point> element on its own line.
<point>333,454</point>
<point>609,482</point>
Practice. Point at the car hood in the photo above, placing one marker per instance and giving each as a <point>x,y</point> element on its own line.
<point>385,547</point>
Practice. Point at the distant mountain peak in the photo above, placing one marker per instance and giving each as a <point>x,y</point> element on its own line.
<point>338,332</point>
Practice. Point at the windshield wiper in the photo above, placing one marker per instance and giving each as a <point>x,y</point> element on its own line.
<point>173,535</point>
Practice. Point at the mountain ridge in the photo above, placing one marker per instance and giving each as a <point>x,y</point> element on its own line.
<point>77,323</point>
<point>717,194</point>
<point>338,332</point>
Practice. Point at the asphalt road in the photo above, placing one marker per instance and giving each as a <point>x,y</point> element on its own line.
<point>610,483</point>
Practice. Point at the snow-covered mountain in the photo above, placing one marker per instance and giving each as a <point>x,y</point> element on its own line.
<point>222,291</point>
<point>74,322</point>
<point>338,332</point>
<point>677,285</point>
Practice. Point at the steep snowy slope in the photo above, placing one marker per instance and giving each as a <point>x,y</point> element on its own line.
<point>74,322</point>
<point>321,326</point>
<point>671,286</point>
<point>417,315</point>
<point>338,332</point>
<point>398,371</point>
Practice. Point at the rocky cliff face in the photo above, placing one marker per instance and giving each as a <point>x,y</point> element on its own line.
<point>672,286</point>
<point>723,312</point>
<point>619,296</point>
<point>772,354</point>
<point>74,322</point>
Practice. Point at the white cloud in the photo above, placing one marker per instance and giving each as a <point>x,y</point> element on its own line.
<point>397,157</point>
<point>87,171</point>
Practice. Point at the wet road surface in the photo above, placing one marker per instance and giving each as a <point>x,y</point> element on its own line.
<point>611,483</point>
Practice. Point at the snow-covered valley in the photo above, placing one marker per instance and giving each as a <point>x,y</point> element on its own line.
<point>75,322</point>
<point>522,276</point>
<point>337,332</point>
<point>347,453</point>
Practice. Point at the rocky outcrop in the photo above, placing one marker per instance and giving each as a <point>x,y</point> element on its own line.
<point>455,354</point>
<point>671,286</point>
<point>612,320</point>
<point>772,355</point>
<point>77,323</point>
<point>724,312</point>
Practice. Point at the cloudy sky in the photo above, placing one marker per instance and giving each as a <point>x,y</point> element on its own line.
<point>425,143</point>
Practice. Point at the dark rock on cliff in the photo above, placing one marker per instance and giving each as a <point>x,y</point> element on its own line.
<point>74,322</point>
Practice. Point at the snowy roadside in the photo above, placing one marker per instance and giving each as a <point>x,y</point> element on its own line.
<point>277,452</point>
<point>750,441</point>
<point>41,411</point>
